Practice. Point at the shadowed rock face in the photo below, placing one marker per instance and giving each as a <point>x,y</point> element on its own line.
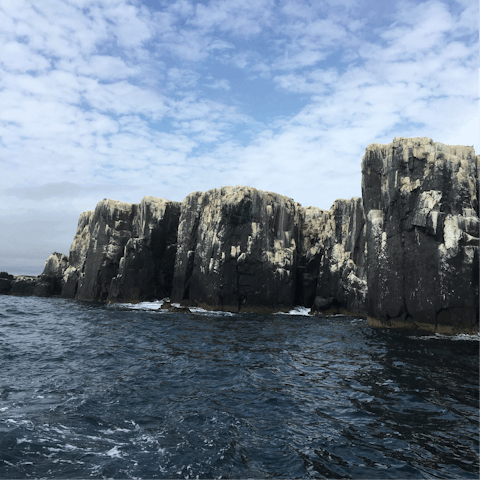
<point>332,266</point>
<point>421,206</point>
<point>237,250</point>
<point>146,269</point>
<point>123,251</point>
<point>312,240</point>
<point>342,274</point>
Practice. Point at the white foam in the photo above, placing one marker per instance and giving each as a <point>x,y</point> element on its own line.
<point>116,430</point>
<point>210,312</point>
<point>3,409</point>
<point>114,452</point>
<point>440,336</point>
<point>156,305</point>
<point>298,310</point>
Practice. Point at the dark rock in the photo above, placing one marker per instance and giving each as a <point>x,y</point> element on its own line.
<point>311,248</point>
<point>334,257</point>
<point>5,284</point>
<point>24,285</point>
<point>146,269</point>
<point>421,205</point>
<point>321,303</point>
<point>237,250</point>
<point>179,309</point>
<point>123,252</point>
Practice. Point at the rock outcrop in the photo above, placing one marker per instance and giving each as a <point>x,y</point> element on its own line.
<point>405,255</point>
<point>421,206</point>
<point>334,258</point>
<point>123,251</point>
<point>6,281</point>
<point>237,250</point>
<point>146,269</point>
<point>47,284</point>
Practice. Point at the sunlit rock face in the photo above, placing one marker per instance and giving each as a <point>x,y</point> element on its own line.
<point>50,281</point>
<point>237,250</point>
<point>123,251</point>
<point>331,270</point>
<point>422,232</point>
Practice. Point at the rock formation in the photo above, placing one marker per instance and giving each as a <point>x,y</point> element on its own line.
<point>237,250</point>
<point>421,205</point>
<point>123,251</point>
<point>406,253</point>
<point>45,285</point>
<point>334,258</point>
<point>146,269</point>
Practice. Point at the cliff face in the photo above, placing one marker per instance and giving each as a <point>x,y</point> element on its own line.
<point>332,271</point>
<point>421,206</point>
<point>406,254</point>
<point>146,269</point>
<point>237,250</point>
<point>123,251</point>
<point>45,285</point>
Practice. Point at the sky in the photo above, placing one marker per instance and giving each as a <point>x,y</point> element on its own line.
<point>122,99</point>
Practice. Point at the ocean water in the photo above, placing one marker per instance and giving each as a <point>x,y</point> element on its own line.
<point>131,391</point>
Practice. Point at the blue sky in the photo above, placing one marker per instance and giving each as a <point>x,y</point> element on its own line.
<point>122,99</point>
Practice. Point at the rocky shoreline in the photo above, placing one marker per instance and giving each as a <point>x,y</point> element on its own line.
<point>405,255</point>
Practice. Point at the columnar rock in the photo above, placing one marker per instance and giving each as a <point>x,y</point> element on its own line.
<point>146,269</point>
<point>109,229</point>
<point>342,272</point>
<point>237,250</point>
<point>50,281</point>
<point>421,206</point>
<point>123,251</point>
<point>77,256</point>
<point>6,281</point>
<point>333,260</point>
<point>311,247</point>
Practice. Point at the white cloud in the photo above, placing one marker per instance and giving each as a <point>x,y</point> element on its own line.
<point>109,98</point>
<point>220,84</point>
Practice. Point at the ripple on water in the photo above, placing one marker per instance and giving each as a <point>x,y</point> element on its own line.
<point>126,391</point>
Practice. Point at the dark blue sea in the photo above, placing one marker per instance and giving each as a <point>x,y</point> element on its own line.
<point>130,391</point>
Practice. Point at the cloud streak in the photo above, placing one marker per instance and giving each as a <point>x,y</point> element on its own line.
<point>117,98</point>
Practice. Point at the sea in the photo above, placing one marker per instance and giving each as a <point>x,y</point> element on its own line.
<point>134,391</point>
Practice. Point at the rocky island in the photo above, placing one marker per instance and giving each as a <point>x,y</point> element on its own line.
<point>405,255</point>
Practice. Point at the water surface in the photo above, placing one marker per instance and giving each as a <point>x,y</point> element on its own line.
<point>135,392</point>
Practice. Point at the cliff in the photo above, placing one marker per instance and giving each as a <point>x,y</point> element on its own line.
<point>404,255</point>
<point>237,250</point>
<point>334,256</point>
<point>123,252</point>
<point>421,207</point>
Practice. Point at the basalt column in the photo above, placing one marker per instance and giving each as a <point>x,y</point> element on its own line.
<point>421,207</point>
<point>237,250</point>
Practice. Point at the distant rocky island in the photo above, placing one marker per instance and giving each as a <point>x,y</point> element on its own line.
<point>405,255</point>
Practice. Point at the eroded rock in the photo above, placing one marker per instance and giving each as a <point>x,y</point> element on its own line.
<point>146,269</point>
<point>123,251</point>
<point>334,257</point>
<point>237,250</point>
<point>421,206</point>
